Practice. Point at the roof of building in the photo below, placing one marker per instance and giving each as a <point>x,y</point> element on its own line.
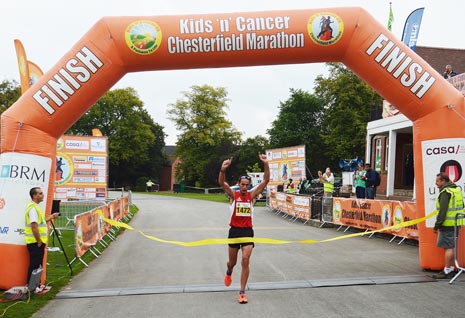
<point>439,57</point>
<point>169,150</point>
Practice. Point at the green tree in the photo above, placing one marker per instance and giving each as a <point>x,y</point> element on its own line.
<point>246,156</point>
<point>348,101</point>
<point>299,123</point>
<point>206,138</point>
<point>10,91</point>
<point>135,141</point>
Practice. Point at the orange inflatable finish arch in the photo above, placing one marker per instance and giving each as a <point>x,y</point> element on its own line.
<point>116,46</point>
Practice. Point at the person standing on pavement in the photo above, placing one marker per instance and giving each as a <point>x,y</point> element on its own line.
<point>370,179</point>
<point>35,230</point>
<point>149,185</point>
<point>448,204</point>
<point>241,208</point>
<point>359,182</point>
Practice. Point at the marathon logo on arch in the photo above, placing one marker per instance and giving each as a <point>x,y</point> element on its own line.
<point>77,144</point>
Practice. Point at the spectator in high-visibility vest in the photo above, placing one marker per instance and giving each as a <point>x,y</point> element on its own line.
<point>448,204</point>
<point>35,230</point>
<point>291,187</point>
<point>327,179</point>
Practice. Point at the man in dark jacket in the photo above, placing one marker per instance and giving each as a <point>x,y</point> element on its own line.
<point>448,204</point>
<point>370,179</point>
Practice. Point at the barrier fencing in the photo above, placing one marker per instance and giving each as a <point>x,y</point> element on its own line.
<point>459,252</point>
<point>182,188</point>
<point>81,217</point>
<point>347,212</point>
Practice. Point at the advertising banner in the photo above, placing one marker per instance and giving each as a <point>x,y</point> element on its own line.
<point>301,207</point>
<point>412,28</point>
<point>81,168</point>
<point>458,82</point>
<point>286,163</point>
<point>22,65</point>
<point>116,212</point>
<point>89,227</point>
<point>281,202</point>
<point>364,214</point>
<point>403,212</point>
<point>86,231</point>
<point>273,200</point>
<point>441,155</point>
<point>19,173</point>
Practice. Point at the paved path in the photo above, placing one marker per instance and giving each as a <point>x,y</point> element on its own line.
<point>356,277</point>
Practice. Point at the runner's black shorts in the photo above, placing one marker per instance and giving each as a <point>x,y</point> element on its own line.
<point>235,232</point>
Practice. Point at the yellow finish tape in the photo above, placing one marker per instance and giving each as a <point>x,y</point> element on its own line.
<point>259,239</point>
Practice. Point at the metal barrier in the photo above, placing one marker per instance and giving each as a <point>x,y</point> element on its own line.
<point>459,250</point>
<point>316,207</point>
<point>327,210</point>
<point>68,209</point>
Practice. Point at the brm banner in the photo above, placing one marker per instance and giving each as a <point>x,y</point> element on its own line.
<point>19,171</point>
<point>441,155</point>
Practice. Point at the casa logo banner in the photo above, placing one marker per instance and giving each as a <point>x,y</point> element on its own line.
<point>441,155</point>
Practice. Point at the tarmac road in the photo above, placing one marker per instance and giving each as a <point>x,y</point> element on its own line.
<point>355,277</point>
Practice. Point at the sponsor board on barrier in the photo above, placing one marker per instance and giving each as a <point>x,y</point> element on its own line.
<point>365,214</point>
<point>403,212</point>
<point>376,215</point>
<point>89,227</point>
<point>301,207</point>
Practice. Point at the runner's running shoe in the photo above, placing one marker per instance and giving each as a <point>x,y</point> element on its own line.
<point>227,280</point>
<point>242,299</point>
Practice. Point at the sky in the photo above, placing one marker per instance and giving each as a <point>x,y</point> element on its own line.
<point>254,93</point>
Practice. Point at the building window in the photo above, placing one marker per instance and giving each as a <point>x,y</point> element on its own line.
<point>378,153</point>
<point>386,155</point>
